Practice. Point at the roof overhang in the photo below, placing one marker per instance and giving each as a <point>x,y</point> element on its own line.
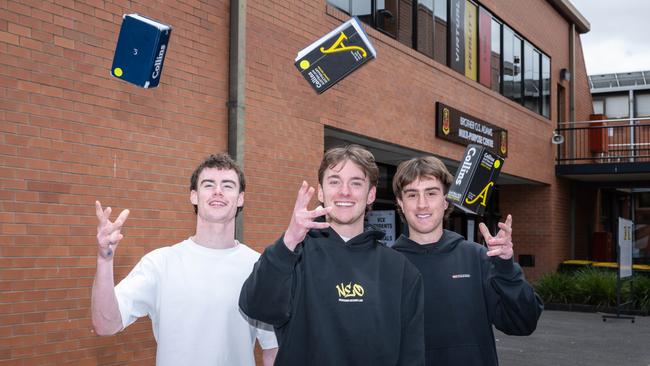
<point>572,14</point>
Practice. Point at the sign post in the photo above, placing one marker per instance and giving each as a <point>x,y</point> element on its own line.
<point>624,249</point>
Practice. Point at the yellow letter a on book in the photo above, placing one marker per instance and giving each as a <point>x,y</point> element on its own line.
<point>338,46</point>
<point>483,195</point>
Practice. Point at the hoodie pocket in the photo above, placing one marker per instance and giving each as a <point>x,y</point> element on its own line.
<point>465,355</point>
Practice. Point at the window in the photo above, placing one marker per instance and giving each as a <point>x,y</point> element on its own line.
<point>531,78</point>
<point>511,65</point>
<point>495,56</point>
<point>440,31</point>
<point>599,106</point>
<point>642,102</point>
<point>617,106</point>
<point>546,86</point>
<point>425,26</point>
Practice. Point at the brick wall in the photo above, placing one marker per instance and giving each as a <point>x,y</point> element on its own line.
<point>70,134</point>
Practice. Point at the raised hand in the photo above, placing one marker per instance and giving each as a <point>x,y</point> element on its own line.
<point>501,244</point>
<point>108,233</point>
<point>302,219</point>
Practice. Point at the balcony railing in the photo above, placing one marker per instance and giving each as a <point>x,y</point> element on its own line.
<point>604,141</point>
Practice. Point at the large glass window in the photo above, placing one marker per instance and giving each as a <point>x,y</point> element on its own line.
<point>546,86</point>
<point>404,20</point>
<point>495,56</point>
<point>440,31</point>
<point>511,65</point>
<point>642,102</point>
<point>617,106</point>
<point>425,21</point>
<point>531,78</point>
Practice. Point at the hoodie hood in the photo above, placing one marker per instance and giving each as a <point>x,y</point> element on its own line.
<point>369,237</point>
<point>448,241</point>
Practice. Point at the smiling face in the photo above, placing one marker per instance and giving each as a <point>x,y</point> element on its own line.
<point>217,196</point>
<point>423,204</point>
<point>346,188</point>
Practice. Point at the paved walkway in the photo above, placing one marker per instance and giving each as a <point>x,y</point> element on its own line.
<point>578,339</point>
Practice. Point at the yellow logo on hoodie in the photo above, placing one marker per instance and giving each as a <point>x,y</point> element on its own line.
<point>350,292</point>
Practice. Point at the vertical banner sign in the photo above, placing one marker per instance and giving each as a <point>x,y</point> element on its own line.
<point>457,35</point>
<point>384,220</point>
<point>485,46</point>
<point>625,234</point>
<point>470,40</point>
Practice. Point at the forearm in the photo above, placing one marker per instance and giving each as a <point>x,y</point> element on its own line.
<point>266,294</point>
<point>516,307</point>
<point>105,310</point>
<point>268,356</point>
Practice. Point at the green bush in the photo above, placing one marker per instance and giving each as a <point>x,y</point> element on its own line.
<point>641,293</point>
<point>556,287</point>
<point>594,286</point>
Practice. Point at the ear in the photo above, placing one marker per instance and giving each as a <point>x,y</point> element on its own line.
<point>194,197</point>
<point>446,204</point>
<point>240,199</point>
<point>372,194</point>
<point>320,194</point>
<point>400,204</point>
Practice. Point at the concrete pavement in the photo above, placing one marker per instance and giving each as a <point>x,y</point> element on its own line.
<point>578,339</point>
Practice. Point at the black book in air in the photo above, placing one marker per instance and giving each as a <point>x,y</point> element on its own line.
<point>474,180</point>
<point>335,55</point>
<point>141,49</point>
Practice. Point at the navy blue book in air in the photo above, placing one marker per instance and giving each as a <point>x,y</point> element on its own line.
<point>141,49</point>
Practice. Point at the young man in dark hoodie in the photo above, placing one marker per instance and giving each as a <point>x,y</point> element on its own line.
<point>333,292</point>
<point>467,288</point>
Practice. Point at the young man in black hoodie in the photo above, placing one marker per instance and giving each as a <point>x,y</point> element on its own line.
<point>335,295</point>
<point>467,288</point>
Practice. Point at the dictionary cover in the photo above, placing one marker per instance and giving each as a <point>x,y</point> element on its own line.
<point>335,55</point>
<point>141,49</point>
<point>475,178</point>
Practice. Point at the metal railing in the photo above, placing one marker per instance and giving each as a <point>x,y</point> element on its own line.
<point>604,141</point>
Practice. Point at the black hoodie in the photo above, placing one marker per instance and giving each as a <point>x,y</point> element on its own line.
<point>338,303</point>
<point>465,293</point>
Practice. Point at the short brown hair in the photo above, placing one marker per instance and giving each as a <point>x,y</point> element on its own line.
<point>417,168</point>
<point>221,161</point>
<point>354,153</point>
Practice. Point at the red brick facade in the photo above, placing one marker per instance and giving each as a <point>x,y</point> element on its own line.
<point>70,134</point>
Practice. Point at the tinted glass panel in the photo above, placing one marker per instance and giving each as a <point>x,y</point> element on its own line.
<point>546,86</point>
<point>440,31</point>
<point>531,78</point>
<point>425,22</point>
<point>495,63</point>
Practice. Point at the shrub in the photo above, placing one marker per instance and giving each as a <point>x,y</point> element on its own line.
<point>596,287</point>
<point>556,287</point>
<point>641,293</point>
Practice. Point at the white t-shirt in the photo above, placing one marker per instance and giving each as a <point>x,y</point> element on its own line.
<point>191,294</point>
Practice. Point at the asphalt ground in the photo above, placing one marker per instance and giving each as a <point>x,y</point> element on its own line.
<point>578,339</point>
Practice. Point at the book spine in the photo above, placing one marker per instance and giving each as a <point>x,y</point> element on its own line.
<point>158,58</point>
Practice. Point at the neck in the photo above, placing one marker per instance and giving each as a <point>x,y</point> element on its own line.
<point>425,238</point>
<point>348,230</point>
<point>215,235</point>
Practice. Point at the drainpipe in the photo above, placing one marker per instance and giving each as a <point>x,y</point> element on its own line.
<point>572,118</point>
<point>237,91</point>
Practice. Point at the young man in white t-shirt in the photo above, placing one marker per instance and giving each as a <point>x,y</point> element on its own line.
<point>189,290</point>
